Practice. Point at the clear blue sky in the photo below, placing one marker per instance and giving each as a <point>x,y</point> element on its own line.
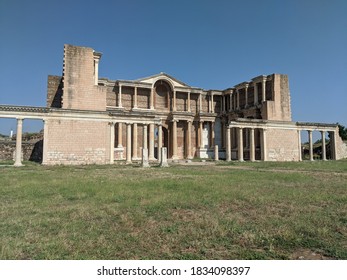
<point>211,44</point>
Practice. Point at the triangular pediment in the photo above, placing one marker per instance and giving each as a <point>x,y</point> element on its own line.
<point>163,76</point>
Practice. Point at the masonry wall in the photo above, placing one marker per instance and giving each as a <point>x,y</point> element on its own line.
<point>79,91</point>
<point>77,142</point>
<point>30,150</point>
<point>54,91</point>
<point>282,145</point>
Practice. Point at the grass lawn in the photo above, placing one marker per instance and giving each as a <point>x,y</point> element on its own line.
<point>224,211</point>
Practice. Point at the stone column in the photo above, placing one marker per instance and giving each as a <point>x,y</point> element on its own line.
<point>45,141</point>
<point>252,145</point>
<point>324,154</point>
<point>189,140</point>
<point>18,159</point>
<point>145,146</point>
<point>228,145</point>
<point>263,145</point>
<point>128,159</point>
<point>174,139</point>
<point>263,97</point>
<point>111,124</point>
<point>120,97</point>
<point>222,133</point>
<point>212,105</point>
<point>201,133</point>
<point>163,156</point>
<point>120,136</point>
<point>333,144</point>
<point>240,144</point>
<point>212,135</point>
<point>135,157</point>
<point>231,102</point>
<point>216,153</point>
<point>151,142</point>
<point>160,141</point>
<point>237,99</point>
<point>255,93</point>
<point>299,145</point>
<point>174,108</point>
<point>96,70</point>
<point>246,94</point>
<point>188,105</point>
<point>310,144</point>
<point>200,102</point>
<point>135,97</point>
<point>151,99</point>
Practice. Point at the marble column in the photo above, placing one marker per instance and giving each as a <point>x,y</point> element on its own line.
<point>145,137</point>
<point>299,145</point>
<point>201,134</point>
<point>160,140</point>
<point>246,95</point>
<point>189,140</point>
<point>120,97</point>
<point>174,139</point>
<point>135,156</point>
<point>263,96</point>
<point>112,138</point>
<point>212,135</point>
<point>231,102</point>
<point>200,102</point>
<point>255,93</point>
<point>45,141</point>
<point>310,144</point>
<point>240,144</point>
<point>252,145</point>
<point>212,103</point>
<point>128,157</point>
<point>151,142</point>
<point>135,97</point>
<point>188,105</point>
<point>120,136</point>
<point>18,159</point>
<point>174,108</point>
<point>324,154</point>
<point>228,144</point>
<point>151,99</point>
<point>263,145</point>
<point>237,99</point>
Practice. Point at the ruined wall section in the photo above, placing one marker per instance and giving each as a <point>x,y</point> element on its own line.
<point>80,91</point>
<point>76,142</point>
<point>54,91</point>
<point>282,145</point>
<point>278,109</point>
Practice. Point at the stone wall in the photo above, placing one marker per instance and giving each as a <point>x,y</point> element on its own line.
<point>77,142</point>
<point>80,91</point>
<point>30,150</point>
<point>282,145</point>
<point>54,91</point>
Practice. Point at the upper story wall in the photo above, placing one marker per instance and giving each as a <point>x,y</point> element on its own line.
<point>79,75</point>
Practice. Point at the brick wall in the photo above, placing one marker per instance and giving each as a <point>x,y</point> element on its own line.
<point>77,142</point>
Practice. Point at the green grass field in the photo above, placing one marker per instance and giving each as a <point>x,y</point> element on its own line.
<point>224,211</point>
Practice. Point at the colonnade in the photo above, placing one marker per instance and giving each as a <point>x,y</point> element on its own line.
<point>234,95</point>
<point>148,141</point>
<point>323,144</point>
<point>250,134</point>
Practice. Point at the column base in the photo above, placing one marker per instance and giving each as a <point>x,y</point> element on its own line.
<point>18,164</point>
<point>136,158</point>
<point>152,159</point>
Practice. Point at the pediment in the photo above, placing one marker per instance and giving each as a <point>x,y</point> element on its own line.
<point>162,76</point>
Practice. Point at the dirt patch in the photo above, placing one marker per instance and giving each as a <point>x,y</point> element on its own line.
<point>307,254</point>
